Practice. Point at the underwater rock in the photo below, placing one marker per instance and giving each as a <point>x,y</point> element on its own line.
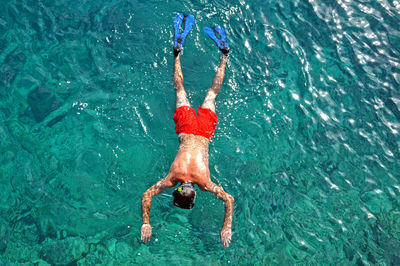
<point>99,256</point>
<point>207,221</point>
<point>254,129</point>
<point>64,251</point>
<point>3,44</point>
<point>111,245</point>
<point>376,201</point>
<point>123,251</point>
<point>12,64</point>
<point>7,158</point>
<point>53,164</point>
<point>329,166</point>
<point>115,17</point>
<point>47,227</point>
<point>42,101</point>
<point>177,218</point>
<point>41,263</point>
<point>26,229</point>
<point>18,253</point>
<point>391,105</point>
<point>55,120</point>
<point>3,236</point>
<point>142,255</point>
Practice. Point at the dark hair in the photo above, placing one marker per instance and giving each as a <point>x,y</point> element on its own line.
<point>184,195</point>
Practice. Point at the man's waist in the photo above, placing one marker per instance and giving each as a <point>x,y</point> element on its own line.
<point>192,139</point>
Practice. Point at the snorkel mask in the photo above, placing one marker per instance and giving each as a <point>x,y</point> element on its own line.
<point>184,195</point>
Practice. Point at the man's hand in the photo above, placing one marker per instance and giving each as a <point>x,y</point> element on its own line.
<point>226,235</point>
<point>146,233</point>
<point>226,232</point>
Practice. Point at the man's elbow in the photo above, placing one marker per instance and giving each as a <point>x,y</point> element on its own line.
<point>145,196</point>
<point>231,199</point>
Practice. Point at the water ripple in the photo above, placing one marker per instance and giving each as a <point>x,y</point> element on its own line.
<point>307,139</point>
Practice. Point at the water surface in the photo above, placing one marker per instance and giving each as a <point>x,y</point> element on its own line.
<point>307,140</point>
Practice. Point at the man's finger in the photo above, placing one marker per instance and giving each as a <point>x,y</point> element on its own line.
<point>226,239</point>
<point>225,244</point>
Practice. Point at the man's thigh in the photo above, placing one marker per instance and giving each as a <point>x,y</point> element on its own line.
<point>209,101</point>
<point>181,99</point>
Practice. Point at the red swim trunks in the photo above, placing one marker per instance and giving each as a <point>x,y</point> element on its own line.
<point>187,122</point>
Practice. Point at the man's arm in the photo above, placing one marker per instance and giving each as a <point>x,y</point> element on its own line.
<point>157,188</point>
<point>226,232</point>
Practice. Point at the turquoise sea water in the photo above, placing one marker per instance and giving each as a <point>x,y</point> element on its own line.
<point>307,140</point>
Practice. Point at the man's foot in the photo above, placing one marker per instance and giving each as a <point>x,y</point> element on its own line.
<point>187,22</point>
<point>221,41</point>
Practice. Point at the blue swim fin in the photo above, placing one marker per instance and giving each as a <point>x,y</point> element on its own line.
<point>188,21</point>
<point>221,42</point>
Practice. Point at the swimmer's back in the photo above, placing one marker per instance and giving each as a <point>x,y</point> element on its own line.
<point>191,161</point>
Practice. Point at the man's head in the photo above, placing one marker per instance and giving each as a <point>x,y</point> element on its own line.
<point>184,195</point>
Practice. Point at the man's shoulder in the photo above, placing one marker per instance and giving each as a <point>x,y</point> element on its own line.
<point>205,185</point>
<point>170,181</point>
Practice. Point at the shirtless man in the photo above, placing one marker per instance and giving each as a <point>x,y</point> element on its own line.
<point>195,132</point>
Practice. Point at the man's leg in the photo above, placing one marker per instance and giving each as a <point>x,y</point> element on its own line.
<point>209,100</point>
<point>181,97</point>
